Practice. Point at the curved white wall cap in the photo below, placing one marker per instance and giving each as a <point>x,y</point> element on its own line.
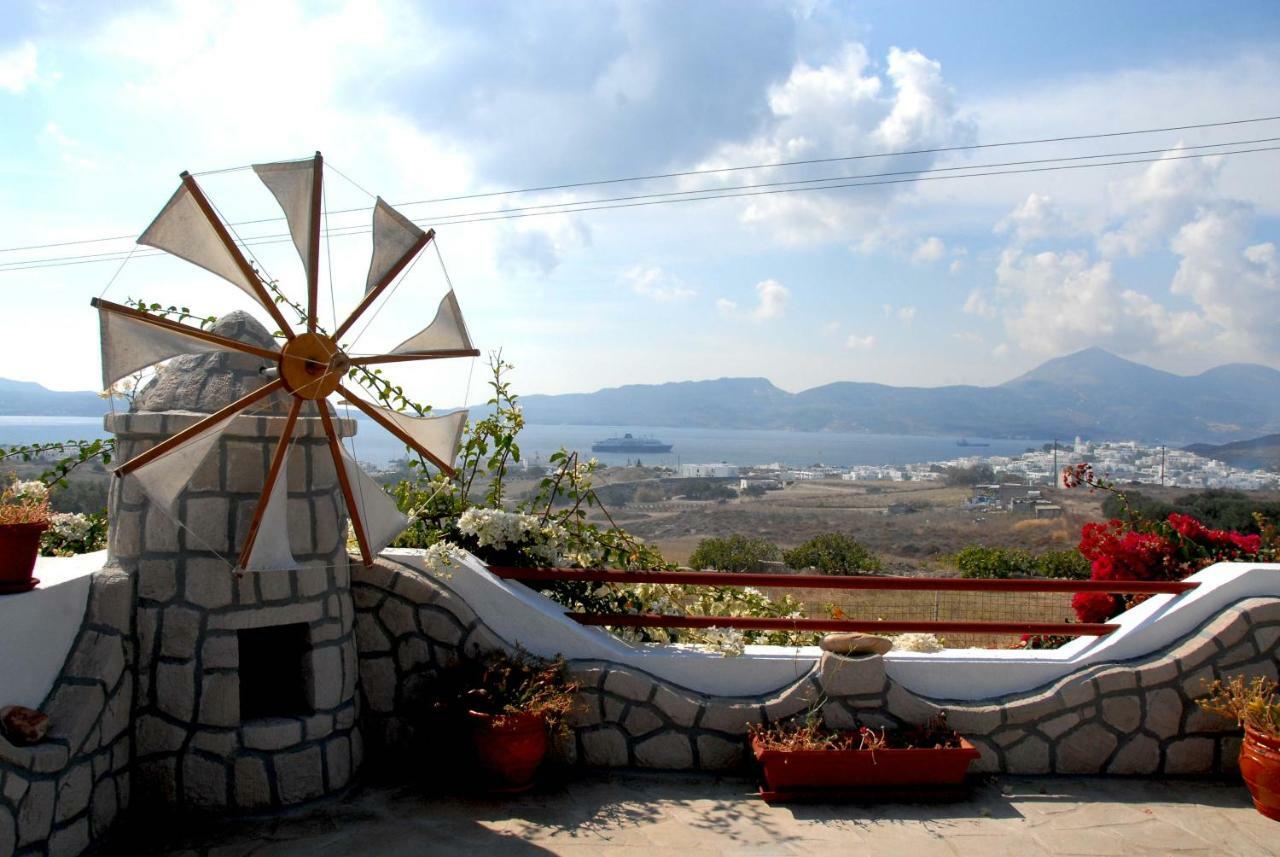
<point>38,627</point>
<point>1155,624</point>
<point>521,616</point>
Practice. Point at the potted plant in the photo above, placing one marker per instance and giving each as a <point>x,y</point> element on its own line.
<point>803,758</point>
<point>509,704</point>
<point>1255,705</point>
<point>24,516</point>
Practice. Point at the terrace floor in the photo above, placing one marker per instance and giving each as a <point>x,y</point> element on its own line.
<point>649,814</point>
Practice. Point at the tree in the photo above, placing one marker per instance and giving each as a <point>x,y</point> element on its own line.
<point>735,553</point>
<point>833,553</point>
<point>978,474</point>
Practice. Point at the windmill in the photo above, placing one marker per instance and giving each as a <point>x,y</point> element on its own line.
<point>309,366</point>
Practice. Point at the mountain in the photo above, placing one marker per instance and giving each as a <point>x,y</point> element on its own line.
<point>25,398</point>
<point>1092,393</point>
<point>1261,453</point>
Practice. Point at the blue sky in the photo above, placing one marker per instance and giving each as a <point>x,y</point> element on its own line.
<point>933,282</point>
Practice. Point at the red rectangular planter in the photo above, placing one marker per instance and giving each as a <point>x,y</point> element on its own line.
<point>806,771</point>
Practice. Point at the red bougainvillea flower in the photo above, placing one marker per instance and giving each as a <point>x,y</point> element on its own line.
<point>1095,606</point>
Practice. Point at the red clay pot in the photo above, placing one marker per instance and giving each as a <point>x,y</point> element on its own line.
<point>509,749</point>
<point>1260,767</point>
<point>810,770</point>
<point>19,546</point>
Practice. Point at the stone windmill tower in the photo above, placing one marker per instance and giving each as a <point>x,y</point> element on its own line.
<point>233,507</point>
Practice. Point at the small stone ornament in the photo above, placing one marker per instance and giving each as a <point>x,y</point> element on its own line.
<point>855,644</point>
<point>23,726</point>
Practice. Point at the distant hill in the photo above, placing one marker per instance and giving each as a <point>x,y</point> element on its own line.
<point>1261,453</point>
<point>25,398</point>
<point>1092,393</point>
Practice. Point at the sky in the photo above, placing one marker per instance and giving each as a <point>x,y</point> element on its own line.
<point>923,281</point>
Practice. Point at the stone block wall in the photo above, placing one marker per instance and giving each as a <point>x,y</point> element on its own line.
<point>1129,718</point>
<point>193,748</point>
<point>58,796</point>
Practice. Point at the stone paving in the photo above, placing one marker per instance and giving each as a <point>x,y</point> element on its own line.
<point>623,813</point>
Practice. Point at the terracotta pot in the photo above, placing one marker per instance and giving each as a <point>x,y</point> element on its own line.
<point>19,546</point>
<point>509,749</point>
<point>1260,767</point>
<point>807,771</point>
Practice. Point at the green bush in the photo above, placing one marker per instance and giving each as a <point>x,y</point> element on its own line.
<point>1002,563</point>
<point>1217,508</point>
<point>735,553</point>
<point>833,553</point>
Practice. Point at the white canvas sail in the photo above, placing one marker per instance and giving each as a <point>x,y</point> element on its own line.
<point>393,236</point>
<point>446,332</point>
<point>182,229</point>
<point>292,183</point>
<point>271,549</point>
<point>129,344</point>
<point>438,435</point>
<point>381,519</point>
<point>164,478</point>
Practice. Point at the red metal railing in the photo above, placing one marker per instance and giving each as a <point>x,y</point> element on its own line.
<point>823,581</point>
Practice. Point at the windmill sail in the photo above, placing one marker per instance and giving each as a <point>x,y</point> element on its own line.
<point>447,331</point>
<point>129,345</point>
<point>271,549</point>
<point>394,235</point>
<point>381,519</point>
<point>292,183</point>
<point>438,435</point>
<point>164,478</point>
<point>182,229</point>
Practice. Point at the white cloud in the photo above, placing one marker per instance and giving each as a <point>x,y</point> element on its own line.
<point>931,249</point>
<point>1153,204</point>
<point>656,284</point>
<point>968,337</point>
<point>1036,218</point>
<point>840,108</point>
<point>773,297</point>
<point>860,343</point>
<point>907,314</point>
<point>956,266</point>
<point>978,304</point>
<point>771,302</point>
<point>19,68</point>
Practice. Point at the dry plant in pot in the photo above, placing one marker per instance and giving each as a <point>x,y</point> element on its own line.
<point>803,758</point>
<point>24,516</point>
<point>1255,705</point>
<point>510,703</point>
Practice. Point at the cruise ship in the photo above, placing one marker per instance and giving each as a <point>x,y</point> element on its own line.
<point>628,443</point>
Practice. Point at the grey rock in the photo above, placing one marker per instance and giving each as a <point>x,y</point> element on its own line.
<point>252,788</point>
<point>70,841</point>
<point>641,720</point>
<point>74,789</point>
<point>1164,712</point>
<point>180,629</point>
<point>220,700</point>
<point>176,690</point>
<point>1084,750</point>
<point>628,685</point>
<point>733,718</point>
<point>1028,756</point>
<point>35,815</point>
<point>1123,713</point>
<point>1189,756</point>
<point>378,681</point>
<point>668,750</point>
<point>337,760</point>
<point>299,775</point>
<point>204,782</point>
<point>604,747</point>
<point>273,734</point>
<point>156,735</point>
<point>716,753</point>
<point>1139,754</point>
<point>680,708</point>
<point>208,582</point>
<point>326,672</point>
<point>845,676</point>
<point>103,807</point>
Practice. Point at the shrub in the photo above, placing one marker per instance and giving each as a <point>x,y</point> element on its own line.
<point>833,553</point>
<point>999,563</point>
<point>735,553</point>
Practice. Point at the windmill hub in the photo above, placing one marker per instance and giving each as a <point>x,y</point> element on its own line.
<point>312,365</point>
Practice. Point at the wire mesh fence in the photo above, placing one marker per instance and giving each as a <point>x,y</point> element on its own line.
<point>936,606</point>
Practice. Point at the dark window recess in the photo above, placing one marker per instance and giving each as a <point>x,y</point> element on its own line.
<point>273,671</point>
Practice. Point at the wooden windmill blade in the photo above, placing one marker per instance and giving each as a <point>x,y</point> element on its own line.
<point>309,366</point>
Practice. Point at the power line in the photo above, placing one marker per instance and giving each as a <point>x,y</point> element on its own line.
<point>707,171</point>
<point>661,199</point>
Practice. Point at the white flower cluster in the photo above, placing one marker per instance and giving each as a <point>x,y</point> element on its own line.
<point>728,642</point>
<point>917,643</point>
<point>33,491</point>
<point>442,556</point>
<point>498,528</point>
<point>70,527</point>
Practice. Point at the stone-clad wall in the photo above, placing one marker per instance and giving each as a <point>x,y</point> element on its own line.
<point>1130,718</point>
<point>58,796</point>
<point>192,748</point>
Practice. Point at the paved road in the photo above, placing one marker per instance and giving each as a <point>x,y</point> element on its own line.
<point>653,814</point>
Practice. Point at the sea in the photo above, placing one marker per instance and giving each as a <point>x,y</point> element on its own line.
<point>377,448</point>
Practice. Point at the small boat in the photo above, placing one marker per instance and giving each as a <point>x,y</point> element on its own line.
<point>628,443</point>
<point>964,441</point>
